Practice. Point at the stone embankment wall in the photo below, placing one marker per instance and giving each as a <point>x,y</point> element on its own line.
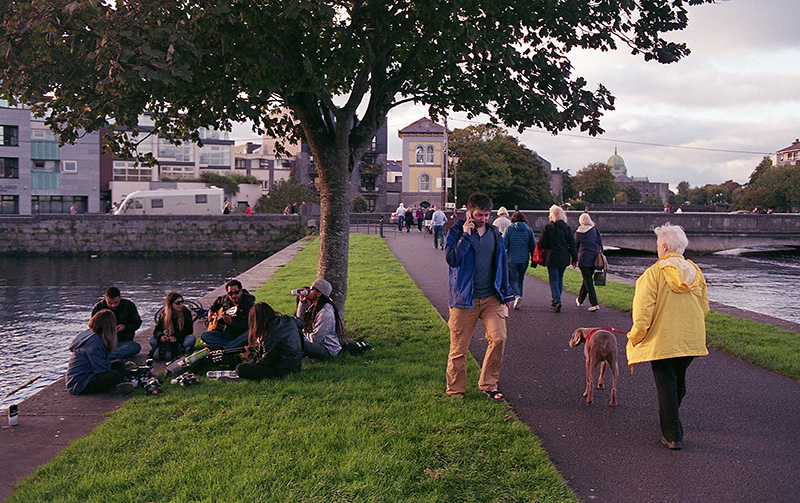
<point>76,234</point>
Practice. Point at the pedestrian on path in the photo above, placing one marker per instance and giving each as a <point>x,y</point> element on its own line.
<point>558,248</point>
<point>502,222</point>
<point>479,289</point>
<point>669,309</point>
<point>437,222</point>
<point>590,244</point>
<point>400,213</point>
<point>520,245</point>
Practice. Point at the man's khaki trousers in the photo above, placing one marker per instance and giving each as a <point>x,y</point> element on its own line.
<point>462,323</point>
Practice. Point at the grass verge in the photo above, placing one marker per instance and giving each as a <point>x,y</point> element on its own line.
<point>767,346</point>
<point>371,428</point>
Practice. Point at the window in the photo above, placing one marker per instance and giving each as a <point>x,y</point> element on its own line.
<point>168,171</point>
<point>424,182</point>
<point>42,165</point>
<point>218,156</point>
<point>420,154</point>
<point>429,157</point>
<point>9,167</point>
<point>58,204</point>
<point>201,198</point>
<point>156,203</point>
<point>241,163</point>
<point>69,166</point>
<point>9,205</point>
<point>43,134</point>
<point>183,152</point>
<point>127,171</point>
<point>9,136</point>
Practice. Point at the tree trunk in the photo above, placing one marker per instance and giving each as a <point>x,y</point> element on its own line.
<point>334,235</point>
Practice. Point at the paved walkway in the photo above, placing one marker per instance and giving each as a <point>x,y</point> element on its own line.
<point>741,422</point>
<point>52,418</point>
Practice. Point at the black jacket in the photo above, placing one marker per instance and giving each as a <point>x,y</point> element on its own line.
<point>559,245</point>
<point>180,335</point>
<point>281,349</point>
<point>239,323</point>
<point>126,314</point>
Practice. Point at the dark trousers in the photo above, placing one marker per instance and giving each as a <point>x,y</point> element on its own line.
<point>106,380</point>
<point>587,287</point>
<point>257,372</point>
<point>670,377</point>
<point>438,236</point>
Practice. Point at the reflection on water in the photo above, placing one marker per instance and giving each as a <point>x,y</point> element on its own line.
<point>758,280</point>
<point>45,302</point>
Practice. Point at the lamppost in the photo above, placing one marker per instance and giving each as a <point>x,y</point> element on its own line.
<point>456,158</point>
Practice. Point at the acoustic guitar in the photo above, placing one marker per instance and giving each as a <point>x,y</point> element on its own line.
<point>216,322</point>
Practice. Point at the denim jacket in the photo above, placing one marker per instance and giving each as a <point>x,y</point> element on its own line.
<point>460,256</point>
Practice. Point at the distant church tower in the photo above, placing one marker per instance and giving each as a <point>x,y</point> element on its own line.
<point>618,168</point>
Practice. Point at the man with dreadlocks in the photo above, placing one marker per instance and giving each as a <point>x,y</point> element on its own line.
<point>323,327</point>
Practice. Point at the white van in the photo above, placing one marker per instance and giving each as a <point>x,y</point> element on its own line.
<point>173,202</point>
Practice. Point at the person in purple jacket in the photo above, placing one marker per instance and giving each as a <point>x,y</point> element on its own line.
<point>90,369</point>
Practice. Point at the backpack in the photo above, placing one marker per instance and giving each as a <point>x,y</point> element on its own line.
<point>166,351</point>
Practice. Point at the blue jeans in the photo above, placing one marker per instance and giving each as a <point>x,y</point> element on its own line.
<point>400,221</point>
<point>188,343</point>
<point>438,235</point>
<point>224,340</point>
<point>125,349</point>
<point>516,276</point>
<point>556,277</point>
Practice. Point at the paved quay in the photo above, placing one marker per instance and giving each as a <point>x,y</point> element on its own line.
<point>52,418</point>
<point>741,421</point>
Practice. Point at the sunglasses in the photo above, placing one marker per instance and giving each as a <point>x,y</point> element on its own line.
<point>178,302</point>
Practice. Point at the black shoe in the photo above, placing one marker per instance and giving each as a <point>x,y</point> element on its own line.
<point>557,307</point>
<point>675,446</point>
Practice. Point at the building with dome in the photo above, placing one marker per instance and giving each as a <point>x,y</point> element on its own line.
<point>652,191</point>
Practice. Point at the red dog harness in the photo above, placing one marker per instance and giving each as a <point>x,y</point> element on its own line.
<point>590,334</point>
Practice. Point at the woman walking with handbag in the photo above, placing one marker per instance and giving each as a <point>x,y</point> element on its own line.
<point>590,245</point>
<point>558,248</point>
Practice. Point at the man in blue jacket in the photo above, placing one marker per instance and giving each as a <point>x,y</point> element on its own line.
<point>479,289</point>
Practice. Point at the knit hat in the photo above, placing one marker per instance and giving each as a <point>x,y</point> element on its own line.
<point>322,287</point>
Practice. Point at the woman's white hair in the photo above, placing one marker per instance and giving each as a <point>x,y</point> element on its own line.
<point>585,219</point>
<point>557,213</point>
<point>672,236</point>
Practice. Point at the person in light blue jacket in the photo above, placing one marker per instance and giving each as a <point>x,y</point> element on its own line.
<point>90,369</point>
<point>520,244</point>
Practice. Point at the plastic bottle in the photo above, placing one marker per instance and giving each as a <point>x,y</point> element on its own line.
<point>216,374</point>
<point>13,413</point>
<point>197,355</point>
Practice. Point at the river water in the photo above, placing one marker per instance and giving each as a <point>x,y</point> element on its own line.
<point>46,301</point>
<point>759,280</point>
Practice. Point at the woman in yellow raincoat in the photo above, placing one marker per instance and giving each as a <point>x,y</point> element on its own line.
<point>669,310</point>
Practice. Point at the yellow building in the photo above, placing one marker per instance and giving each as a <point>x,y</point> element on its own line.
<point>423,146</point>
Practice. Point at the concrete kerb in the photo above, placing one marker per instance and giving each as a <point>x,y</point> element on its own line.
<point>51,419</point>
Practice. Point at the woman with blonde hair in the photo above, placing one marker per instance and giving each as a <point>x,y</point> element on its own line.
<point>558,247</point>
<point>174,327</point>
<point>90,369</point>
<point>590,244</point>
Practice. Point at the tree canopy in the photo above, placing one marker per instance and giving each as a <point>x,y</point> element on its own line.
<point>596,183</point>
<point>493,162</point>
<point>338,65</point>
<point>771,187</point>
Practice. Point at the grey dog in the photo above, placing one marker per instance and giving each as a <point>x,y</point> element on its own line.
<point>600,347</point>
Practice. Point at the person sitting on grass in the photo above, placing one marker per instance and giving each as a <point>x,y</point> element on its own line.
<point>322,324</point>
<point>90,368</point>
<point>274,346</point>
<point>174,327</point>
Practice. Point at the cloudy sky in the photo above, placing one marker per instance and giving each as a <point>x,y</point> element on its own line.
<point>710,117</point>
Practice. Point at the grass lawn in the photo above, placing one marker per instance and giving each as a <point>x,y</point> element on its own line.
<point>764,345</point>
<point>370,428</point>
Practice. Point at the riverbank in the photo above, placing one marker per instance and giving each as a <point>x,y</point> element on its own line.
<point>52,418</point>
<point>373,428</point>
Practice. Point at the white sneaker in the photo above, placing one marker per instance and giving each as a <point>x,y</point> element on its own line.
<point>517,302</point>
<point>594,308</point>
<point>577,302</point>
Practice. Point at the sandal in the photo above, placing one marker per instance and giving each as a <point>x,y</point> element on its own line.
<point>495,395</point>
